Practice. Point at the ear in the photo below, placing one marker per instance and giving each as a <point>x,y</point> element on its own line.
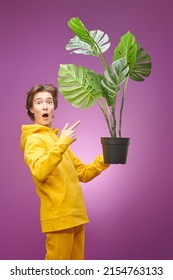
<point>31,110</point>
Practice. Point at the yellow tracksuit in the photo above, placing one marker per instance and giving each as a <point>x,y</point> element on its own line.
<point>57,173</point>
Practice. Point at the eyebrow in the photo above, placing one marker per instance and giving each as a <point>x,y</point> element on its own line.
<point>40,98</point>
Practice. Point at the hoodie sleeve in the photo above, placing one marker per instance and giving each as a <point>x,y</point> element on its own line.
<point>40,161</point>
<point>87,172</point>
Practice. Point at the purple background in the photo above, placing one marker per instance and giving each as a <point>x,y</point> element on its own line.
<point>130,206</point>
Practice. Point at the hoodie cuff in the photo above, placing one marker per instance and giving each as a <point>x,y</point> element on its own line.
<point>64,142</point>
<point>100,163</point>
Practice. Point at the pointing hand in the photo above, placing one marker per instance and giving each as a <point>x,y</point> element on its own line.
<point>69,131</point>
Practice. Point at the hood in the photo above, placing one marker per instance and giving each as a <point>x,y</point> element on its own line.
<point>29,129</point>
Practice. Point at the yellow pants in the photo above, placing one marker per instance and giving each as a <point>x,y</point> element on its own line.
<point>66,244</point>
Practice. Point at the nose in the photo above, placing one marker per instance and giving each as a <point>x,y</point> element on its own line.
<point>45,105</point>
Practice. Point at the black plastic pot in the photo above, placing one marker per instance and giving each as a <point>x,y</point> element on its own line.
<point>115,149</point>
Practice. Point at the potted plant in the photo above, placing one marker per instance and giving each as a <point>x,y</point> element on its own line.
<point>82,87</point>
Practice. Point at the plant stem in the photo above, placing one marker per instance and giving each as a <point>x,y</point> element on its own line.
<point>105,115</point>
<point>103,60</point>
<point>111,120</point>
<point>101,56</point>
<point>113,126</point>
<point>122,105</point>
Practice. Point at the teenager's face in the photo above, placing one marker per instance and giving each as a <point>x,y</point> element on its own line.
<point>43,108</point>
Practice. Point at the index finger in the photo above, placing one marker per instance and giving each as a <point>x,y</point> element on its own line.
<point>75,124</point>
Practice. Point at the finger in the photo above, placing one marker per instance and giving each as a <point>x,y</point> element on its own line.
<point>66,126</point>
<point>74,125</point>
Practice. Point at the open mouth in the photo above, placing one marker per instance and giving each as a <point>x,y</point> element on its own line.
<point>45,115</point>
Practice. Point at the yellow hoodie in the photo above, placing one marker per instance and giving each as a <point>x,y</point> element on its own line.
<point>57,173</point>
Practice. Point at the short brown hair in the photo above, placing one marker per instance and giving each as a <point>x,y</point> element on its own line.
<point>40,88</point>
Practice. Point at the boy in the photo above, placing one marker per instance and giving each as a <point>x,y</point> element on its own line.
<point>57,173</point>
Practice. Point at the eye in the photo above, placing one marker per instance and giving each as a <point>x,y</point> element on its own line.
<point>38,102</point>
<point>49,102</point>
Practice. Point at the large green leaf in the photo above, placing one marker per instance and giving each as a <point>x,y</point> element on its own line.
<point>79,46</point>
<point>138,60</point>
<point>127,47</point>
<point>79,86</point>
<point>113,77</point>
<point>82,32</point>
<point>77,26</point>
<point>142,67</point>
